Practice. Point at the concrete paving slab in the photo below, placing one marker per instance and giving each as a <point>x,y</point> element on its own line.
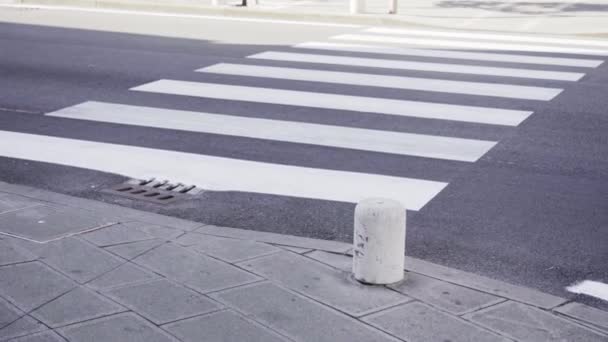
<point>484,284</point>
<point>227,249</point>
<point>155,230</point>
<point>11,253</point>
<point>32,284</point>
<point>222,326</point>
<point>124,274</point>
<point>279,239</point>
<point>196,271</point>
<point>585,314</point>
<point>162,301</point>
<point>419,322</point>
<point>323,283</point>
<point>44,223</point>
<point>527,323</point>
<point>25,325</point>
<point>121,327</point>
<point>11,202</point>
<point>446,296</point>
<point>297,317</point>
<point>8,313</point>
<point>116,234</point>
<point>339,261</point>
<point>296,249</point>
<point>78,259</point>
<point>47,336</point>
<point>75,306</point>
<point>132,250</point>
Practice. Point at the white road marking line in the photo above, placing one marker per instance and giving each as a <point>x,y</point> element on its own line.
<point>481,56</point>
<point>467,150</point>
<point>340,102</point>
<point>218,173</point>
<point>385,81</point>
<point>176,15</point>
<point>475,45</point>
<point>418,66</point>
<point>490,36</point>
<point>590,288</point>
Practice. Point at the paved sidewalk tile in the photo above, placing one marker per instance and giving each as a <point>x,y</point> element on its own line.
<point>339,261</point>
<point>47,336</point>
<point>125,274</point>
<point>297,317</point>
<point>75,306</point>
<point>32,284</point>
<point>116,234</point>
<point>449,297</point>
<point>132,250</point>
<point>484,284</point>
<point>78,259</point>
<point>323,283</point>
<point>274,238</point>
<point>122,327</point>
<point>585,314</point>
<point>227,249</point>
<point>298,250</point>
<point>11,253</point>
<point>416,322</point>
<point>527,323</point>
<point>43,223</point>
<point>14,322</point>
<point>11,202</point>
<point>158,231</point>
<point>161,301</point>
<point>222,326</point>
<point>196,271</point>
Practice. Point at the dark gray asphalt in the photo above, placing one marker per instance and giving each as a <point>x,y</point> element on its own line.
<point>533,211</point>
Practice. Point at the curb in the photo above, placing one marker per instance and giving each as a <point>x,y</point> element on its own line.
<point>233,12</point>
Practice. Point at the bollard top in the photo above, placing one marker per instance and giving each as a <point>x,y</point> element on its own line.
<point>379,202</point>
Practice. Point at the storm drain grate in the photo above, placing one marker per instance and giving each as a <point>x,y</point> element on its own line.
<point>152,190</point>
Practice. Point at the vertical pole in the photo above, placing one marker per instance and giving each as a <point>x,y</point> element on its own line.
<point>356,6</point>
<point>392,6</point>
<point>215,3</point>
<point>379,241</point>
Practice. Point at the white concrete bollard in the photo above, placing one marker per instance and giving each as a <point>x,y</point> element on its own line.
<point>379,241</point>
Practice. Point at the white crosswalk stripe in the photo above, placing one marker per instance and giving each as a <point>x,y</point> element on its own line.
<point>218,173</point>
<point>490,36</point>
<point>451,54</point>
<point>384,81</point>
<point>419,66</point>
<point>429,146</point>
<point>475,45</point>
<point>427,110</point>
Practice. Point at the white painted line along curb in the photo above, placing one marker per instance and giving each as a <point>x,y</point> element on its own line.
<point>590,288</point>
<point>467,150</point>
<point>419,66</point>
<point>490,36</point>
<point>218,173</point>
<point>480,56</point>
<point>386,81</point>
<point>340,102</point>
<point>476,45</point>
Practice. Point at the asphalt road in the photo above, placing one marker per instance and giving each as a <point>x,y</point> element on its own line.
<point>533,210</point>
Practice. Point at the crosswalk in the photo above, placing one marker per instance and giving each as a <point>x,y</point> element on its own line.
<point>522,70</point>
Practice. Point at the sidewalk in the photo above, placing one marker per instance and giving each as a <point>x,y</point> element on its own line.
<point>532,17</point>
<point>108,273</point>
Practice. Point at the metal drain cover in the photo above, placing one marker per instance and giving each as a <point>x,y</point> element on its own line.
<point>152,190</point>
